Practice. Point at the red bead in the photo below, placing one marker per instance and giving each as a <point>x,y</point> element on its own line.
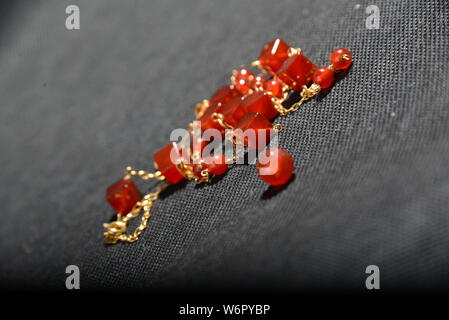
<point>324,77</point>
<point>223,95</point>
<point>273,54</point>
<point>274,87</point>
<point>297,71</point>
<point>338,58</point>
<point>123,195</point>
<point>243,80</point>
<point>260,102</point>
<point>219,98</point>
<point>207,121</point>
<point>233,111</point>
<point>166,165</point>
<point>263,130</point>
<point>275,166</point>
<point>216,164</point>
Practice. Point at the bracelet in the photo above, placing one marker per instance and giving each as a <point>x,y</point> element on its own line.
<point>240,113</point>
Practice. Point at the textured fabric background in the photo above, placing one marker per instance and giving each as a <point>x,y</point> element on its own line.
<point>372,178</point>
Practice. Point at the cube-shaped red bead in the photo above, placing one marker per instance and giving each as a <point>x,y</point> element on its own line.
<point>224,94</point>
<point>256,130</point>
<point>207,121</point>
<point>166,165</point>
<point>273,54</point>
<point>233,111</point>
<point>260,102</point>
<point>216,103</point>
<point>297,71</point>
<point>123,195</point>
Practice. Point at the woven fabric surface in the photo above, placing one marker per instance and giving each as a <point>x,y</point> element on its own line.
<point>371,184</point>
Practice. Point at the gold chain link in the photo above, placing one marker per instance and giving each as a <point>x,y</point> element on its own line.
<point>144,175</point>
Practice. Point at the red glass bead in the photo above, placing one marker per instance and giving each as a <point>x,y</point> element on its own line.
<point>263,130</point>
<point>338,58</point>
<point>324,77</point>
<point>219,98</point>
<point>243,80</point>
<point>233,111</point>
<point>275,166</point>
<point>274,87</point>
<point>273,54</point>
<point>297,71</point>
<point>223,95</point>
<point>206,119</point>
<point>123,195</point>
<point>166,165</point>
<point>216,164</point>
<point>260,102</point>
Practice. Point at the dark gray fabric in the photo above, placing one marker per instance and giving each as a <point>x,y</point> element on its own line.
<point>371,186</point>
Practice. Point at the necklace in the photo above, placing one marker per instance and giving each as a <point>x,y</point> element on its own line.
<point>241,113</point>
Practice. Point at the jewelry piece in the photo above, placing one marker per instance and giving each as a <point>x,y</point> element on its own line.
<point>250,102</point>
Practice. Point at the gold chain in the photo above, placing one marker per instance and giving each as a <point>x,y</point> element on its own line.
<point>144,175</point>
<point>237,146</point>
<point>115,231</point>
<point>306,94</point>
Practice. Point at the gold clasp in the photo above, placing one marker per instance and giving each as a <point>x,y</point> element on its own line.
<point>114,230</point>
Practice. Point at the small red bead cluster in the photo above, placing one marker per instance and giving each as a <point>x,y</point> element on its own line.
<point>251,101</point>
<point>340,59</point>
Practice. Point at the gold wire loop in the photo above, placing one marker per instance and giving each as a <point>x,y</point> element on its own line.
<point>256,63</point>
<point>201,107</point>
<point>293,51</point>
<point>188,172</point>
<point>218,117</point>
